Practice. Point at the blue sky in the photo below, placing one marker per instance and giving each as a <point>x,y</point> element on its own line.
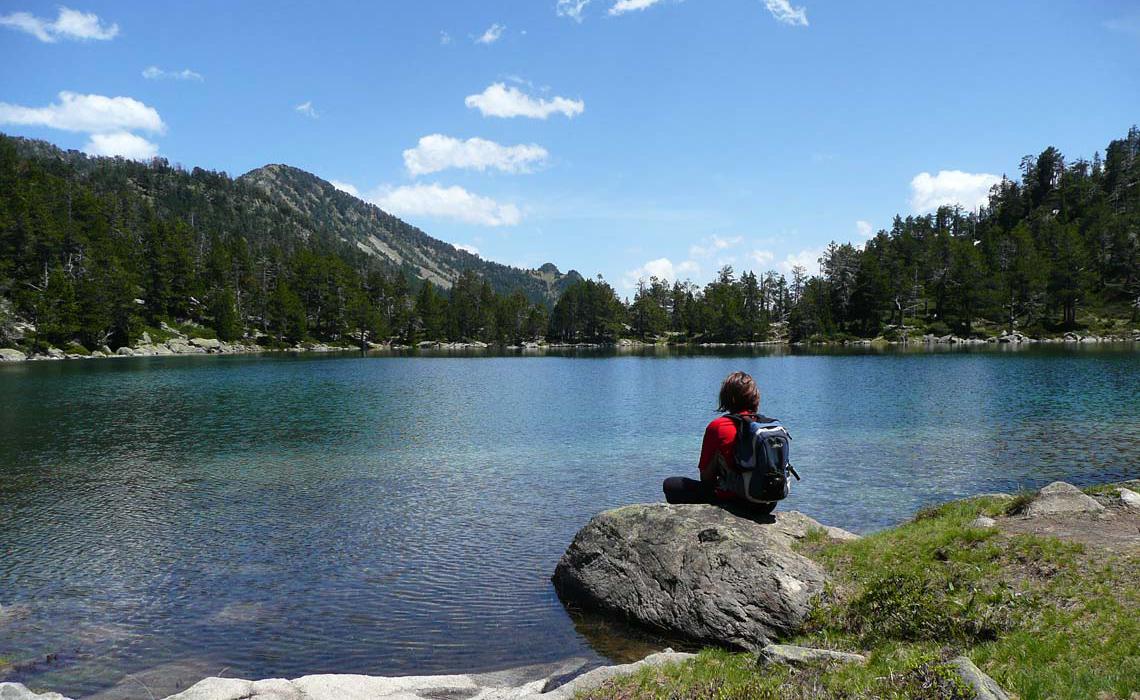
<point>649,136</point>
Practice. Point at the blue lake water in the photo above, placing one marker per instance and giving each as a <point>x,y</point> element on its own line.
<point>278,516</point>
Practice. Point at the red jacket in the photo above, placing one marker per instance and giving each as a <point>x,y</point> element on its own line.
<point>719,438</point>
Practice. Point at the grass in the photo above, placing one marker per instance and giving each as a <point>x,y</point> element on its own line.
<point>1045,618</point>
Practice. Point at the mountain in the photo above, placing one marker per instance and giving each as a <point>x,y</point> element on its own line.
<point>295,208</point>
<point>396,243</point>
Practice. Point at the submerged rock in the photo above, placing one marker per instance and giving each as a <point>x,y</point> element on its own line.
<point>1058,498</point>
<point>697,571</point>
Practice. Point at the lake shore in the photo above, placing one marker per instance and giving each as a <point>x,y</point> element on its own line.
<point>1032,589</point>
<point>181,344</point>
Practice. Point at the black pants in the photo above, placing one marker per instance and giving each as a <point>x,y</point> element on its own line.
<point>678,489</point>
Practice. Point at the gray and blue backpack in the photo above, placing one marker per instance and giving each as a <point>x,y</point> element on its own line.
<point>763,461</point>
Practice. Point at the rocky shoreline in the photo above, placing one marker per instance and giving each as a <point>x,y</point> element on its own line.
<point>182,344</point>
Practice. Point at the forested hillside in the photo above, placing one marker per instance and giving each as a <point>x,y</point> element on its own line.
<point>96,250</point>
<point>1057,250</point>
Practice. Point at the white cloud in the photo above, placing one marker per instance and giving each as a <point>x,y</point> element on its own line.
<point>663,269</point>
<point>444,38</point>
<point>493,34</point>
<point>453,202</point>
<point>438,152</point>
<point>572,9</point>
<point>345,187</point>
<point>762,257</point>
<point>498,100</point>
<point>950,187</point>
<point>622,6</point>
<point>120,143</point>
<point>69,24</point>
<point>865,229</point>
<point>306,108</point>
<point>466,248</point>
<point>808,259</point>
<point>783,11</point>
<point>90,113</point>
<point>156,73</point>
<point>713,244</point>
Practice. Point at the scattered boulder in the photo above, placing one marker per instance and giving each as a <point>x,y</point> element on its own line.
<point>1130,499</point>
<point>1060,498</point>
<point>11,355</point>
<point>207,343</point>
<point>985,688</point>
<point>983,521</point>
<point>799,656</point>
<point>18,691</point>
<point>698,571</point>
<point>125,352</point>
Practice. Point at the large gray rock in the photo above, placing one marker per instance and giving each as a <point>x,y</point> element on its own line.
<point>11,355</point>
<point>17,691</point>
<point>1059,498</point>
<point>514,684</point>
<point>207,343</point>
<point>984,687</point>
<point>696,570</point>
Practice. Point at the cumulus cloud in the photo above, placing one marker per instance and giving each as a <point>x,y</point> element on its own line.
<point>453,202</point>
<point>466,248</point>
<point>950,187</point>
<point>713,244</point>
<point>156,73</point>
<point>345,187</point>
<point>306,108</point>
<point>784,12</point>
<point>90,113</point>
<point>499,100</point>
<point>438,152</point>
<point>69,24</point>
<point>762,257</point>
<point>120,143</point>
<point>623,6</point>
<point>493,34</point>
<point>807,259</point>
<point>572,9</point>
<point>865,229</point>
<point>663,269</point>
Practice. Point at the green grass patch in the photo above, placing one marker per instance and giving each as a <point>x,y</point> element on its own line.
<point>1044,617</point>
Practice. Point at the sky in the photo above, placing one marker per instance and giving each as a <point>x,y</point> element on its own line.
<point>615,137</point>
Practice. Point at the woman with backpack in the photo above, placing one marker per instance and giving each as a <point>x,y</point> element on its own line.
<point>744,459</point>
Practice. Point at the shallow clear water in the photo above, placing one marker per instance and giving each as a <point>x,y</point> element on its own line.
<point>277,516</point>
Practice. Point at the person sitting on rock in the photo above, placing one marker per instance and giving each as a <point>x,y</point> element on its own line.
<point>738,395</point>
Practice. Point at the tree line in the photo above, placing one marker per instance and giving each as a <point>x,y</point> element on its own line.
<point>1063,239</point>
<point>96,251</point>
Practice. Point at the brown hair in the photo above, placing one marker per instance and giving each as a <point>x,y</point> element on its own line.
<point>739,393</point>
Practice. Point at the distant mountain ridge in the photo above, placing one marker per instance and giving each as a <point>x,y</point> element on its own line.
<point>399,244</point>
<point>286,202</point>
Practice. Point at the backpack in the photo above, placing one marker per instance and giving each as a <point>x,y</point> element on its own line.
<point>762,454</point>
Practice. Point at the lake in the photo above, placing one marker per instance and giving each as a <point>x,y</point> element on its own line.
<point>279,516</point>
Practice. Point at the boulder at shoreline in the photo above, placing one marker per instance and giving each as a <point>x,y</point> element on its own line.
<point>696,571</point>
